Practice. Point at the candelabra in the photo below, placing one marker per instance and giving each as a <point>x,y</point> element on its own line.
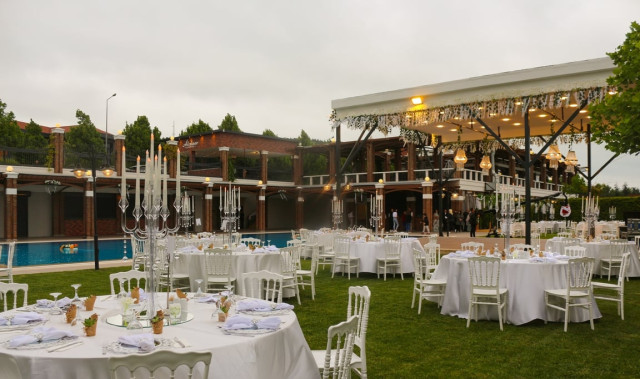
<point>186,216</point>
<point>377,213</point>
<point>336,212</point>
<point>590,213</point>
<point>508,212</point>
<point>229,210</point>
<point>151,215</point>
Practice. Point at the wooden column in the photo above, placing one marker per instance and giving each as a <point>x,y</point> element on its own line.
<point>297,168</point>
<point>173,163</point>
<point>555,179</point>
<point>299,209</point>
<point>57,200</point>
<point>88,208</point>
<point>264,166</point>
<point>118,144</point>
<point>427,201</point>
<point>261,209</point>
<point>411,161</point>
<point>371,160</point>
<point>207,209</point>
<point>58,155</point>
<point>332,162</point>
<point>224,160</point>
<point>11,206</point>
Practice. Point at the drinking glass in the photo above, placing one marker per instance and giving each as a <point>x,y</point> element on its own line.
<point>75,287</point>
<point>174,311</point>
<point>134,326</point>
<point>56,309</point>
<point>122,293</point>
<point>199,292</point>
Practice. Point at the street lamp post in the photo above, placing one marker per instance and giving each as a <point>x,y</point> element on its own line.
<point>106,129</point>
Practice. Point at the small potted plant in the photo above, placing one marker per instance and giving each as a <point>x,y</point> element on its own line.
<point>71,313</point>
<point>157,322</point>
<point>89,302</point>
<point>224,305</point>
<point>90,325</point>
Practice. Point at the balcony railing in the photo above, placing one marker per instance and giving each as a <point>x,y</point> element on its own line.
<point>22,157</point>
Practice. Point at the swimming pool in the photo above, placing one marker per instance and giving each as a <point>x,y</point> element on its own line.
<point>44,253</point>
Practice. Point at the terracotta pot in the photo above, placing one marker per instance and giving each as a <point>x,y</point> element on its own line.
<point>157,327</point>
<point>222,317</point>
<point>90,331</point>
<point>71,313</point>
<point>89,302</point>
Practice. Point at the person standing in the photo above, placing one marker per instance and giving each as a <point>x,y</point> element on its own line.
<point>394,214</point>
<point>425,224</point>
<point>407,220</point>
<point>436,222</point>
<point>473,221</point>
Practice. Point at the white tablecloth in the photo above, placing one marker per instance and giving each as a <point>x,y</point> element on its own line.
<point>368,252</point>
<point>277,355</point>
<point>601,250</point>
<point>194,265</point>
<point>525,281</point>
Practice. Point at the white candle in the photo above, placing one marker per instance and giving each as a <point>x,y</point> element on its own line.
<point>151,149</point>
<point>164,186</point>
<point>138,182</point>
<point>123,183</point>
<point>238,198</point>
<point>220,201</point>
<point>178,178</point>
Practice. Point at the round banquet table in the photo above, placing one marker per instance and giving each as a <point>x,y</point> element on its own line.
<point>193,264</point>
<point>369,252</point>
<point>526,283</point>
<point>601,250</point>
<point>280,354</point>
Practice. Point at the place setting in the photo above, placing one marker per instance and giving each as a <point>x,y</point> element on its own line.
<point>42,337</point>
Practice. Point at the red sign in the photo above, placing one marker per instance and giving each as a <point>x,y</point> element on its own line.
<point>565,211</point>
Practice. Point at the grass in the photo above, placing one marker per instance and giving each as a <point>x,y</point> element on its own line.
<point>403,344</point>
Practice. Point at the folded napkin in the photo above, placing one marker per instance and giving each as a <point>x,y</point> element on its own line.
<point>260,305</point>
<point>40,334</point>
<point>26,317</point>
<point>536,259</point>
<point>560,256</point>
<point>46,303</point>
<point>143,341</point>
<point>207,299</point>
<point>3,321</point>
<point>259,250</point>
<point>271,248</point>
<point>241,322</point>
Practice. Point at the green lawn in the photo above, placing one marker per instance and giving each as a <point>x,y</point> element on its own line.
<point>403,344</point>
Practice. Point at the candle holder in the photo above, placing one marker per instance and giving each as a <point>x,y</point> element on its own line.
<point>151,215</point>
<point>377,213</point>
<point>508,213</point>
<point>336,212</point>
<point>229,210</point>
<point>590,213</point>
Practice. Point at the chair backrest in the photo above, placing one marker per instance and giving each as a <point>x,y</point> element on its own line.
<point>340,353</point>
<point>342,246</point>
<point>434,259</point>
<point>522,246</point>
<point>315,251</point>
<point>419,265</point>
<point>304,234</point>
<point>263,285</point>
<point>235,238</point>
<point>579,273</point>
<point>160,359</point>
<point>251,241</point>
<point>127,277</point>
<point>289,260</point>
<point>392,248</point>
<point>218,262</point>
<point>359,299</point>
<point>6,273</point>
<point>617,248</point>
<point>14,288</point>
<point>484,273</point>
<point>10,368</point>
<point>575,251</point>
<point>293,243</point>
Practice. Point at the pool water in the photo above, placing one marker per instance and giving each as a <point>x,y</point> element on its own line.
<point>44,253</point>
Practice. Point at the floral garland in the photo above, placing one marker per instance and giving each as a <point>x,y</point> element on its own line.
<point>409,120</point>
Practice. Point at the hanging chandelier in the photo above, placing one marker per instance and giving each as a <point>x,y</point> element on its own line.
<point>485,165</point>
<point>553,156</point>
<point>460,159</point>
<point>571,161</point>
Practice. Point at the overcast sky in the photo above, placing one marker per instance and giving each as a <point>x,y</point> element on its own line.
<point>278,64</point>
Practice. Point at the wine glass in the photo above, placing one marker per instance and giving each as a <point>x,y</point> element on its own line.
<point>75,287</point>
<point>199,292</point>
<point>55,310</point>
<point>268,243</point>
<point>134,326</point>
<point>122,293</point>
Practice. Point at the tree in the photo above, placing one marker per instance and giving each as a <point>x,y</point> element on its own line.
<point>33,138</point>
<point>138,136</point>
<point>312,163</point>
<point>615,120</point>
<point>9,130</point>
<point>229,123</point>
<point>196,128</point>
<point>576,186</point>
<point>84,140</point>
<point>269,133</point>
